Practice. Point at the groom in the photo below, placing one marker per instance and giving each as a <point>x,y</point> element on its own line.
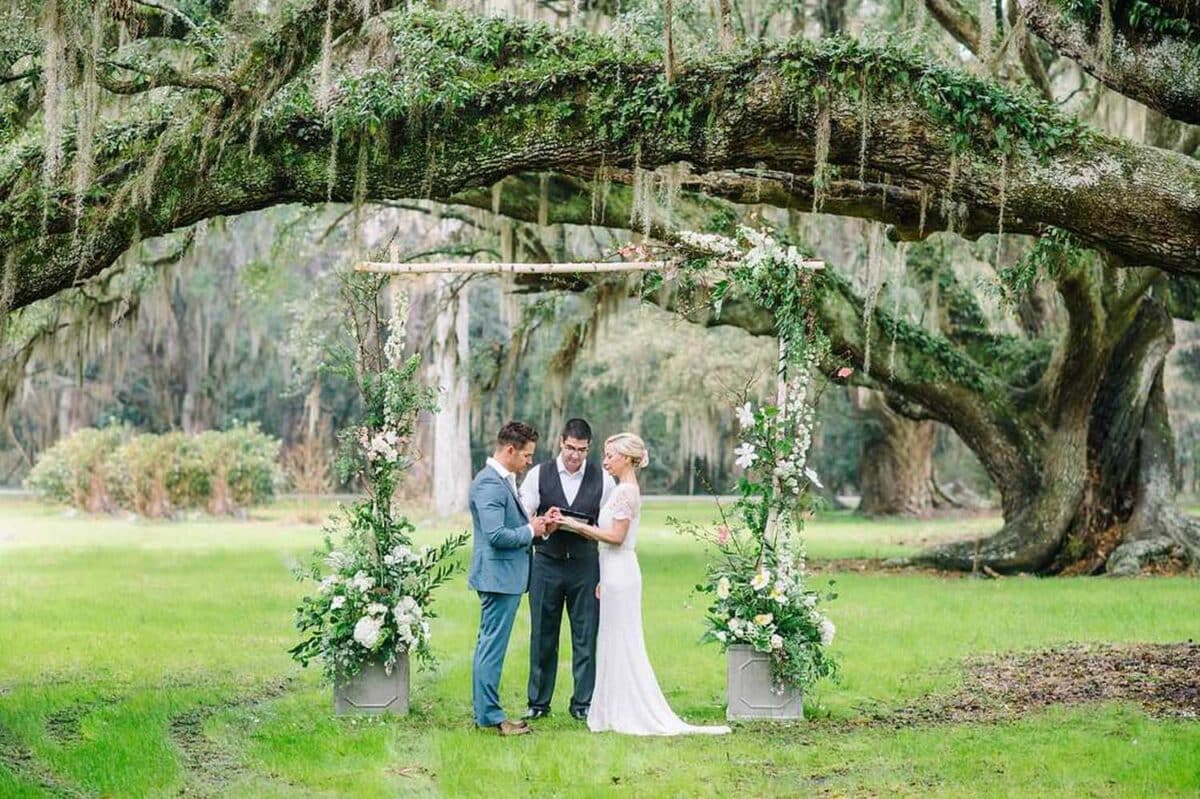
<point>503,533</point>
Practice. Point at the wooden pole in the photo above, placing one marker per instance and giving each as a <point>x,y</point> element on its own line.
<point>781,403</point>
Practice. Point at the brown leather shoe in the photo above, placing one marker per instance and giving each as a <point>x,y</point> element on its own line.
<point>508,728</point>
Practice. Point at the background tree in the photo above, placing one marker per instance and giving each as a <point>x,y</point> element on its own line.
<point>242,108</point>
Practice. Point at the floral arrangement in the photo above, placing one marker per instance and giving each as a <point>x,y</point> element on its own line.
<point>374,589</point>
<point>758,579</point>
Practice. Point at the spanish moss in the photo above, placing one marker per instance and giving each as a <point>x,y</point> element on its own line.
<point>821,152</point>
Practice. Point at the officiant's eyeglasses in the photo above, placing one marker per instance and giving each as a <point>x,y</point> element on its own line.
<point>576,450</point>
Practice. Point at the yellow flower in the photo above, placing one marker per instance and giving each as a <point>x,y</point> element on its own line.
<point>761,580</point>
<point>763,619</point>
<point>723,588</point>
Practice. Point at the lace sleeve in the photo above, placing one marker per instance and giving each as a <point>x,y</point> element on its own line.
<point>625,503</point>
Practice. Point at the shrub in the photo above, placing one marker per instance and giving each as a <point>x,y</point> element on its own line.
<point>156,475</point>
<point>73,470</point>
<point>242,465</point>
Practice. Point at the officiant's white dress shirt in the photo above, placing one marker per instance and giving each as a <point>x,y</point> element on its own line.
<point>531,493</point>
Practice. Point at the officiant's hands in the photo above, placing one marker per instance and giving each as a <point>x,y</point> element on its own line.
<point>553,519</point>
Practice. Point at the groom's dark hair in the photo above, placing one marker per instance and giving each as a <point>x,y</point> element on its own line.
<point>516,433</point>
<point>578,429</point>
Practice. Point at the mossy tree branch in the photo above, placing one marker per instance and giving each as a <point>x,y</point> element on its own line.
<point>1161,71</point>
<point>590,108</point>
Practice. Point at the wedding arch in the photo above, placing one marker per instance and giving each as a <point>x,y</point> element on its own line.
<point>370,608</point>
<point>397,270</point>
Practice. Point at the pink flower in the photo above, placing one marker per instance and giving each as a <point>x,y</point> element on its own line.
<point>845,372</point>
<point>722,535</point>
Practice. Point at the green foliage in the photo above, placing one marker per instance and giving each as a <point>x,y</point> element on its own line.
<point>243,464</point>
<point>158,475</point>
<point>757,576</point>
<point>374,601</point>
<point>1138,16</point>
<point>72,472</point>
<point>1054,252</point>
<point>981,115</point>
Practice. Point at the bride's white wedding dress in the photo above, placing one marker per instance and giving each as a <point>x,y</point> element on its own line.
<point>627,697</point>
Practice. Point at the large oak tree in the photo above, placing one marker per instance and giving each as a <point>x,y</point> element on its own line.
<point>127,120</point>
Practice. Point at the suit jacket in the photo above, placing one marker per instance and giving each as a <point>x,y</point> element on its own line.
<point>501,550</point>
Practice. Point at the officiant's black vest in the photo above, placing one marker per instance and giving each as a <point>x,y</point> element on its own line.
<point>564,544</point>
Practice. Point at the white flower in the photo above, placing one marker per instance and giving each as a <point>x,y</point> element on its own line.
<point>337,560</point>
<point>761,580</point>
<point>401,552</point>
<point>383,445</point>
<point>723,588</point>
<point>367,631</point>
<point>376,609</point>
<point>389,560</point>
<point>784,469</point>
<point>777,641</point>
<point>746,456</point>
<point>407,611</point>
<point>745,416</point>
<point>812,477</point>
<point>810,601</point>
<point>763,619</point>
<point>779,593</point>
<point>424,630</point>
<point>827,631</point>
<point>404,633</point>
<point>711,243</point>
<point>327,584</point>
<point>362,582</point>
<point>337,602</point>
<point>720,635</point>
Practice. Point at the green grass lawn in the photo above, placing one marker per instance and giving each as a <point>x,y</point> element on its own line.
<point>149,659</point>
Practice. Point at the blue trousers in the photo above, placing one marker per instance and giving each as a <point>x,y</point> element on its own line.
<point>496,615</point>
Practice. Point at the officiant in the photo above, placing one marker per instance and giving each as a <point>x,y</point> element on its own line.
<point>566,569</point>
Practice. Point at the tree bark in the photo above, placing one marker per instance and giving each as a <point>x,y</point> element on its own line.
<point>1160,72</point>
<point>895,460</point>
<point>1140,203</point>
<point>452,429</point>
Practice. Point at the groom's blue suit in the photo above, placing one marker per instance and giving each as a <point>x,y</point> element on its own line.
<point>500,573</point>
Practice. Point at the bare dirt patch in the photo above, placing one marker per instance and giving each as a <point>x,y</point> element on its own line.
<point>19,760</point>
<point>1163,678</point>
<point>212,768</point>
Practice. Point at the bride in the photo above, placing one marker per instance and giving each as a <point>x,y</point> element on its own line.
<point>627,697</point>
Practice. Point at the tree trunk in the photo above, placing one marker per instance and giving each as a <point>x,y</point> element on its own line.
<point>895,461</point>
<point>1109,504</point>
<point>452,429</point>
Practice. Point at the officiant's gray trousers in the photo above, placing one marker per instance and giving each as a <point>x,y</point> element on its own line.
<point>553,583</point>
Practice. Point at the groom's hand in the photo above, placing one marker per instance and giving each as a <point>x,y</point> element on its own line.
<point>553,519</point>
<point>538,523</point>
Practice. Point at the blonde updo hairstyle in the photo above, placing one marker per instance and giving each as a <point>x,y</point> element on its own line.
<point>631,446</point>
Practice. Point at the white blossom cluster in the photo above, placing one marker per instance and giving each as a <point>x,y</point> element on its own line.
<point>383,446</point>
<point>756,249</point>
<point>765,255</point>
<point>741,617</point>
<point>783,439</point>
<point>393,350</point>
